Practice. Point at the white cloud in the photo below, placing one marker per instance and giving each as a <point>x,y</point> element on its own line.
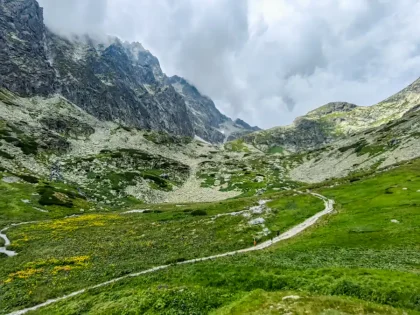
<point>266,61</point>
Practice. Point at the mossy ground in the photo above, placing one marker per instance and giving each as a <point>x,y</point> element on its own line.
<point>276,149</point>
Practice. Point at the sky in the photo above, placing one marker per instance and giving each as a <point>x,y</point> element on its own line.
<point>265,61</point>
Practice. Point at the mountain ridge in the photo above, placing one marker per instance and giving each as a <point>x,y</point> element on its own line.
<point>114,80</point>
<point>334,121</point>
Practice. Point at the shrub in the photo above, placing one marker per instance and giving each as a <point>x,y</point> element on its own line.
<point>49,197</point>
<point>152,211</point>
<point>29,179</point>
<point>198,213</point>
<point>175,260</point>
<point>6,155</point>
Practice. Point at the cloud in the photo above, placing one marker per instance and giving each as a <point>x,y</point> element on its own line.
<point>75,16</point>
<point>266,61</point>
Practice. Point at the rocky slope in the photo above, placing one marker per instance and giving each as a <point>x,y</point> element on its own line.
<point>373,149</point>
<point>110,79</point>
<point>116,165</point>
<point>52,140</point>
<point>335,121</point>
<point>208,122</point>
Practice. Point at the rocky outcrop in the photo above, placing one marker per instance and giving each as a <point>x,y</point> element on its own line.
<point>110,79</point>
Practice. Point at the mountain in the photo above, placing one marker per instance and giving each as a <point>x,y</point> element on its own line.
<point>110,79</point>
<point>335,121</point>
<point>208,122</point>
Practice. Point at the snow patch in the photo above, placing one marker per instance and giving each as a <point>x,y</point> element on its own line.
<point>291,297</point>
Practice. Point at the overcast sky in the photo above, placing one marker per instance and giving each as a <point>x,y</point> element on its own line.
<point>266,61</point>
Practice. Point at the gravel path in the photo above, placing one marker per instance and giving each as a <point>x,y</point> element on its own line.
<point>3,249</point>
<point>329,207</point>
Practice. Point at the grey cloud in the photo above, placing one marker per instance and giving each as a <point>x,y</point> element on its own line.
<point>75,16</point>
<point>265,68</point>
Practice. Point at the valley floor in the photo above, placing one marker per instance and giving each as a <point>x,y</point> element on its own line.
<point>363,258</point>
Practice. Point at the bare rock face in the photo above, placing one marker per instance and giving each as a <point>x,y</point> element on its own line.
<point>111,80</point>
<point>208,122</point>
<point>24,66</point>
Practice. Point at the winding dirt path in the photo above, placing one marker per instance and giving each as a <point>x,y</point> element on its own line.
<point>3,249</point>
<point>6,240</point>
<point>329,207</point>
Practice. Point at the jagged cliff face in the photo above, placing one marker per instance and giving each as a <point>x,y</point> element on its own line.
<point>208,122</point>
<point>335,121</point>
<point>24,66</point>
<point>112,81</point>
<point>120,82</point>
<point>203,113</point>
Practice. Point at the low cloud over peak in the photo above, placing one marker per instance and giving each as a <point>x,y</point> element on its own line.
<point>266,61</point>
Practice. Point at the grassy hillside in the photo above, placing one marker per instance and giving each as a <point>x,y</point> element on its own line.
<point>79,251</point>
<point>364,258</point>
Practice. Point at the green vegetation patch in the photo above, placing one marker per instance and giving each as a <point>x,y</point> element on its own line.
<point>276,149</point>
<point>236,146</point>
<point>362,147</point>
<point>50,195</point>
<point>160,137</point>
<point>288,302</point>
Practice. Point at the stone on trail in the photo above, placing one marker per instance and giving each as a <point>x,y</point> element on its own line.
<point>257,221</point>
<point>11,179</point>
<point>395,221</point>
<point>291,297</point>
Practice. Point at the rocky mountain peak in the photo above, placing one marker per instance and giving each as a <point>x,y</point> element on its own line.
<point>333,107</point>
<point>412,89</point>
<point>110,79</point>
<point>245,125</point>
